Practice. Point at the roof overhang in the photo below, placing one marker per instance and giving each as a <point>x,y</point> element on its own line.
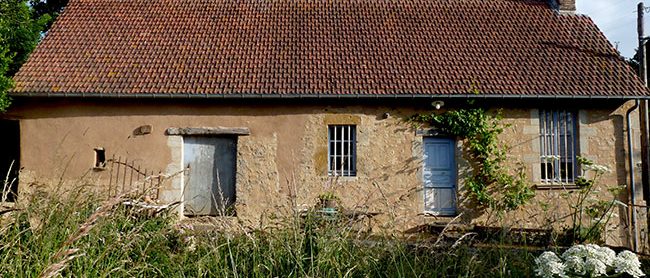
<point>321,96</point>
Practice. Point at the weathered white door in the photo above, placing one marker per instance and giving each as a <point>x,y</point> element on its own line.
<point>439,176</point>
<point>210,177</point>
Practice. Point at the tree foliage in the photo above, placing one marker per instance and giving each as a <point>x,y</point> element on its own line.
<point>19,31</point>
<point>5,81</point>
<point>21,28</point>
<point>635,61</point>
<point>51,8</point>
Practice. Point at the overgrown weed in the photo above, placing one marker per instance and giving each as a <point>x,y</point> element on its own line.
<point>83,236</point>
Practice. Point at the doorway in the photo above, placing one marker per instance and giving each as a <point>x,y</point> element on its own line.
<point>9,158</point>
<point>211,164</point>
<point>439,176</point>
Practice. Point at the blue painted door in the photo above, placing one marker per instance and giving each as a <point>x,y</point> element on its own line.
<point>439,176</point>
<point>210,181</point>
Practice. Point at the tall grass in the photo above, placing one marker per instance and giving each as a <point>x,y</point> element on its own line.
<point>82,236</point>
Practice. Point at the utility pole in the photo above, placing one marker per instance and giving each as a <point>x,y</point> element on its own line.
<point>639,29</point>
<point>643,122</point>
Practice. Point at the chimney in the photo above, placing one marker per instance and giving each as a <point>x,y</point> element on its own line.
<point>566,6</point>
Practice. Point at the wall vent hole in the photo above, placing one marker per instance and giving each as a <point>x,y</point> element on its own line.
<point>100,158</point>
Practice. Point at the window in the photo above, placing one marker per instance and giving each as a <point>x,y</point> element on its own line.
<point>342,150</point>
<point>557,130</point>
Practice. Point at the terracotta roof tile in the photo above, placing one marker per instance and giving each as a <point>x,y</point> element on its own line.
<point>324,47</point>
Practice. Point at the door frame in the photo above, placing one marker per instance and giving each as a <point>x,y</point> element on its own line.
<point>174,191</point>
<point>454,170</point>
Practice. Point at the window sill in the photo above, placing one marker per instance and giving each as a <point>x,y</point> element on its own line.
<point>343,178</point>
<point>567,186</point>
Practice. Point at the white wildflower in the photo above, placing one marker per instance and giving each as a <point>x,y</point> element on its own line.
<point>595,267</point>
<point>575,251</point>
<point>598,259</point>
<point>603,254</point>
<point>549,265</point>
<point>588,259</point>
<point>597,168</point>
<point>628,262</point>
<point>575,264</point>
<point>190,241</point>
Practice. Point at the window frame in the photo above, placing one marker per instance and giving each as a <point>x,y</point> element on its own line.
<point>556,149</point>
<point>348,169</point>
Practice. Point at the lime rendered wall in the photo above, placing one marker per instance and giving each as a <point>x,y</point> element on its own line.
<point>282,164</point>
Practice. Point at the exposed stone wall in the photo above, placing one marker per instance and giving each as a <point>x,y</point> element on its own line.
<point>282,165</point>
<point>601,138</point>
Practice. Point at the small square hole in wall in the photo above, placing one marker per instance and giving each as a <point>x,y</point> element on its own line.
<point>100,158</point>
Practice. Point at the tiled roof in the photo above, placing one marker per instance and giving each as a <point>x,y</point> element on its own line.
<point>324,48</point>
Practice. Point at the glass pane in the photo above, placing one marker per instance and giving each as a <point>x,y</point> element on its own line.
<point>334,149</point>
<point>429,199</point>
<point>566,171</point>
<point>439,200</point>
<point>547,170</point>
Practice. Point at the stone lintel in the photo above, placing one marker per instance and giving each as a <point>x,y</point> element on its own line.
<point>208,131</point>
<point>429,132</point>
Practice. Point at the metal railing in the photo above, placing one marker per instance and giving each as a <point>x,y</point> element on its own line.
<point>126,177</point>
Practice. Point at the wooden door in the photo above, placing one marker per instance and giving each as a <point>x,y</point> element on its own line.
<point>210,179</point>
<point>439,176</point>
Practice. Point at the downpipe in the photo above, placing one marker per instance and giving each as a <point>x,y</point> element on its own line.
<point>635,244</point>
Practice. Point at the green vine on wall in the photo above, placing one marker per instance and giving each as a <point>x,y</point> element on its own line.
<point>492,184</point>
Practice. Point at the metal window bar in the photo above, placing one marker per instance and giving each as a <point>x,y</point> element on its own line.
<point>335,152</point>
<point>349,154</point>
<point>542,144</point>
<point>557,146</point>
<point>557,128</point>
<point>563,125</point>
<point>341,150</point>
<point>573,129</point>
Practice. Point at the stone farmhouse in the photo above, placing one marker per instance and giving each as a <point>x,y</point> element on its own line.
<point>269,104</point>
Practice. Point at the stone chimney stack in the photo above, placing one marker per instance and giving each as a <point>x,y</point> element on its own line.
<point>567,6</point>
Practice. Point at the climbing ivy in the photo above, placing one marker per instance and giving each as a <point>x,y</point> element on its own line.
<point>492,183</point>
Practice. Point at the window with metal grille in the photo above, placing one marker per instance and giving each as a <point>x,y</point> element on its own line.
<point>342,150</point>
<point>557,130</point>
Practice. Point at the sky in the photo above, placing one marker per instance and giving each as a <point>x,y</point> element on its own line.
<point>617,20</point>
